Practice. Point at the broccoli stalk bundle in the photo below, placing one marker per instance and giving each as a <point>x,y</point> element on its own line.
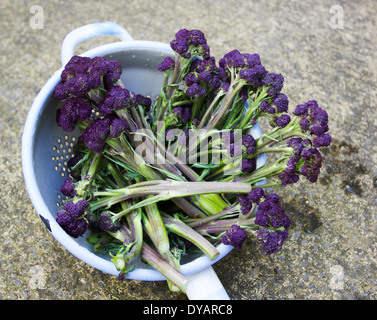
<point>152,181</point>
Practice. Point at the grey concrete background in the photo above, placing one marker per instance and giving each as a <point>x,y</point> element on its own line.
<point>331,252</point>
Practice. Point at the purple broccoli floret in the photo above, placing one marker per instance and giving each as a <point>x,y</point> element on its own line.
<point>254,76</point>
<point>167,64</point>
<point>191,78</point>
<point>256,195</point>
<point>274,82</point>
<point>281,121</point>
<point>248,166</point>
<point>323,140</point>
<point>72,111</point>
<point>68,188</point>
<point>267,108</point>
<point>116,98</point>
<point>195,90</point>
<point>96,133</point>
<point>98,66</point>
<point>249,143</point>
<point>287,177</point>
<point>304,160</point>
<point>234,236</point>
<point>315,120</point>
<point>75,66</point>
<point>143,100</point>
<point>184,39</point>
<point>251,60</point>
<point>103,221</point>
<point>114,71</point>
<point>281,103</point>
<point>233,58</point>
<point>118,126</point>
<point>71,218</point>
<point>271,241</point>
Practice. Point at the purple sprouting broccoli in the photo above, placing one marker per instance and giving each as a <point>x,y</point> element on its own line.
<point>254,76</point>
<point>96,133</point>
<point>267,108</point>
<point>246,201</point>
<point>116,98</point>
<point>77,81</point>
<point>73,110</point>
<point>98,66</point>
<point>191,78</point>
<point>81,84</point>
<point>188,41</point>
<point>68,188</point>
<point>315,120</point>
<point>142,100</point>
<point>270,212</point>
<point>249,66</point>
<point>72,218</point>
<point>247,165</point>
<point>256,195</point>
<point>281,103</point>
<point>281,121</point>
<point>288,177</point>
<point>113,74</point>
<point>234,236</point>
<point>183,113</point>
<point>76,65</point>
<point>249,143</point>
<point>251,60</point>
<point>233,59</point>
<point>167,64</point>
<point>102,220</point>
<point>271,241</point>
<point>304,160</point>
<point>206,72</point>
<point>117,126</point>
<point>274,82</point>
<point>245,204</point>
<point>312,163</point>
<point>323,140</point>
<point>195,91</point>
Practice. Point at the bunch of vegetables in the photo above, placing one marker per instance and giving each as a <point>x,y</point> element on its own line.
<point>152,181</point>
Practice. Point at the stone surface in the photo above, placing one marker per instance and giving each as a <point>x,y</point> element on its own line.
<point>331,252</point>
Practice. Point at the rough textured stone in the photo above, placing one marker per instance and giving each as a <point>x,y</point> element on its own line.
<point>331,252</point>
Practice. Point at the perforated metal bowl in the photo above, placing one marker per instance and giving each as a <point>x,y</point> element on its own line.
<point>46,149</point>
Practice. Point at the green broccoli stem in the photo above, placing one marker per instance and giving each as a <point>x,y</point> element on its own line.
<point>210,108</point>
<point>227,212</point>
<point>158,228</point>
<point>132,241</point>
<point>222,224</point>
<point>263,173</point>
<point>279,134</point>
<point>176,226</point>
<point>89,172</point>
<point>161,191</point>
<point>157,262</point>
<point>166,254</point>
<point>260,95</point>
<point>225,106</point>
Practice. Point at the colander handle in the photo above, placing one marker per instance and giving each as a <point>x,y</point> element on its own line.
<point>90,31</point>
<point>205,285</point>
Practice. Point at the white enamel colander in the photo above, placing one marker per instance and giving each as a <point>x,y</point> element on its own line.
<point>46,148</point>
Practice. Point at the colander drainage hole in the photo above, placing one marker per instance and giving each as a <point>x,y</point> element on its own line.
<point>62,152</point>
